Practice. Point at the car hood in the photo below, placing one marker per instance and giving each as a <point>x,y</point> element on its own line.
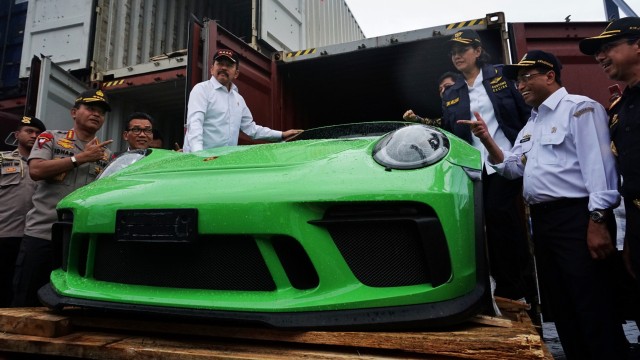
<point>253,156</point>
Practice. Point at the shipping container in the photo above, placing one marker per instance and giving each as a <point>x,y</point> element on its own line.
<point>580,74</point>
<point>380,78</point>
<point>109,35</point>
<point>363,80</point>
<point>13,14</point>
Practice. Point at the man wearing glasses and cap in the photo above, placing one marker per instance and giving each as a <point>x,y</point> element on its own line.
<point>570,184</point>
<point>216,112</point>
<point>61,161</point>
<point>16,189</point>
<point>617,50</point>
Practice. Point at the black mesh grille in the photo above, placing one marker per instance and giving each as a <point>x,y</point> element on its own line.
<point>212,262</point>
<point>390,243</point>
<point>295,262</point>
<point>382,253</point>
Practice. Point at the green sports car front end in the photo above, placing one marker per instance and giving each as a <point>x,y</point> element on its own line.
<point>369,225</point>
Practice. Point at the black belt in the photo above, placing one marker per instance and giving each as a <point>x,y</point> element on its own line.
<point>559,204</point>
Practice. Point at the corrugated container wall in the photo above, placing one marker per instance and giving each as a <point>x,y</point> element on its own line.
<point>131,32</point>
<point>330,22</point>
<point>581,74</point>
<point>125,33</point>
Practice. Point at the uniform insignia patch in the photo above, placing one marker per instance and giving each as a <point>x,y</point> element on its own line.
<point>452,102</point>
<point>65,143</point>
<point>60,177</point>
<point>553,130</point>
<point>614,103</point>
<point>583,111</point>
<point>498,86</point>
<point>614,120</point>
<point>43,139</point>
<point>525,138</point>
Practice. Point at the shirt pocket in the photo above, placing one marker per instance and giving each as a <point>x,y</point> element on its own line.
<point>10,177</point>
<point>552,151</point>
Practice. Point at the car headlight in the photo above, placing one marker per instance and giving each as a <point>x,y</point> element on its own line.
<point>411,147</point>
<point>124,160</point>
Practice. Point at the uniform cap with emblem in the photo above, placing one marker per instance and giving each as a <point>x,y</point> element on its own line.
<point>230,54</point>
<point>625,28</point>
<point>465,37</point>
<point>534,58</point>
<point>26,121</point>
<point>94,97</point>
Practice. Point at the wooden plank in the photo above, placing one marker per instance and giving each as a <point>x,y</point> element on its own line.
<point>33,321</point>
<point>102,346</point>
<point>492,320</point>
<point>511,305</point>
<point>518,341</point>
<point>119,337</point>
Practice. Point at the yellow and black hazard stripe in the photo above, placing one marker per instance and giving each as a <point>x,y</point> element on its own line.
<point>112,83</point>
<point>301,52</point>
<point>463,24</point>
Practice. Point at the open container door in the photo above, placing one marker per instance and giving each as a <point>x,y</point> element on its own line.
<point>51,93</point>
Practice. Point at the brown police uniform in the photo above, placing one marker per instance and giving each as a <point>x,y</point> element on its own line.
<point>16,189</point>
<point>35,259</point>
<point>56,144</point>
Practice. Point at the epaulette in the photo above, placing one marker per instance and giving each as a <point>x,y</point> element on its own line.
<point>614,103</point>
<point>8,155</point>
<point>583,111</point>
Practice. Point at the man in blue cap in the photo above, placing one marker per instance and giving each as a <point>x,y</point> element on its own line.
<point>570,183</point>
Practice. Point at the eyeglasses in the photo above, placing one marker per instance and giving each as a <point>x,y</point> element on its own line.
<point>524,78</point>
<point>137,131</point>
<point>458,50</point>
<point>608,46</point>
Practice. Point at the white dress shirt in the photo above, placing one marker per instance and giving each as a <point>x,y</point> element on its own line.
<point>480,102</point>
<point>563,152</point>
<point>216,115</point>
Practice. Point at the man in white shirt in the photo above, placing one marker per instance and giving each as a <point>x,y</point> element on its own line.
<point>217,112</point>
<point>570,183</point>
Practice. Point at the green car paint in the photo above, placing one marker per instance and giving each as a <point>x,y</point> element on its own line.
<point>269,191</point>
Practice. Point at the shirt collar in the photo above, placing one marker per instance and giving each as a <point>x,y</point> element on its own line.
<point>216,84</point>
<point>554,99</point>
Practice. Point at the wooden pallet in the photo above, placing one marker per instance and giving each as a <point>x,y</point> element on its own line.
<point>81,334</point>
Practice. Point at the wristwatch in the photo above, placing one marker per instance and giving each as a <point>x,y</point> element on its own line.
<point>74,161</point>
<point>598,216</point>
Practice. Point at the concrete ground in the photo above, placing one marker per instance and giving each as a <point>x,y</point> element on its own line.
<point>550,338</point>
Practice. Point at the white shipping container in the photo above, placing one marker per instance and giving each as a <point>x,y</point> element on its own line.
<point>106,35</point>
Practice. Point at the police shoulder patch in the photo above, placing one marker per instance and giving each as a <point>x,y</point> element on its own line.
<point>583,111</point>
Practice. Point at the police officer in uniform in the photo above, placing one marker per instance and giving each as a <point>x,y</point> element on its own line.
<point>61,161</point>
<point>570,184</point>
<point>16,188</point>
<point>617,49</point>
